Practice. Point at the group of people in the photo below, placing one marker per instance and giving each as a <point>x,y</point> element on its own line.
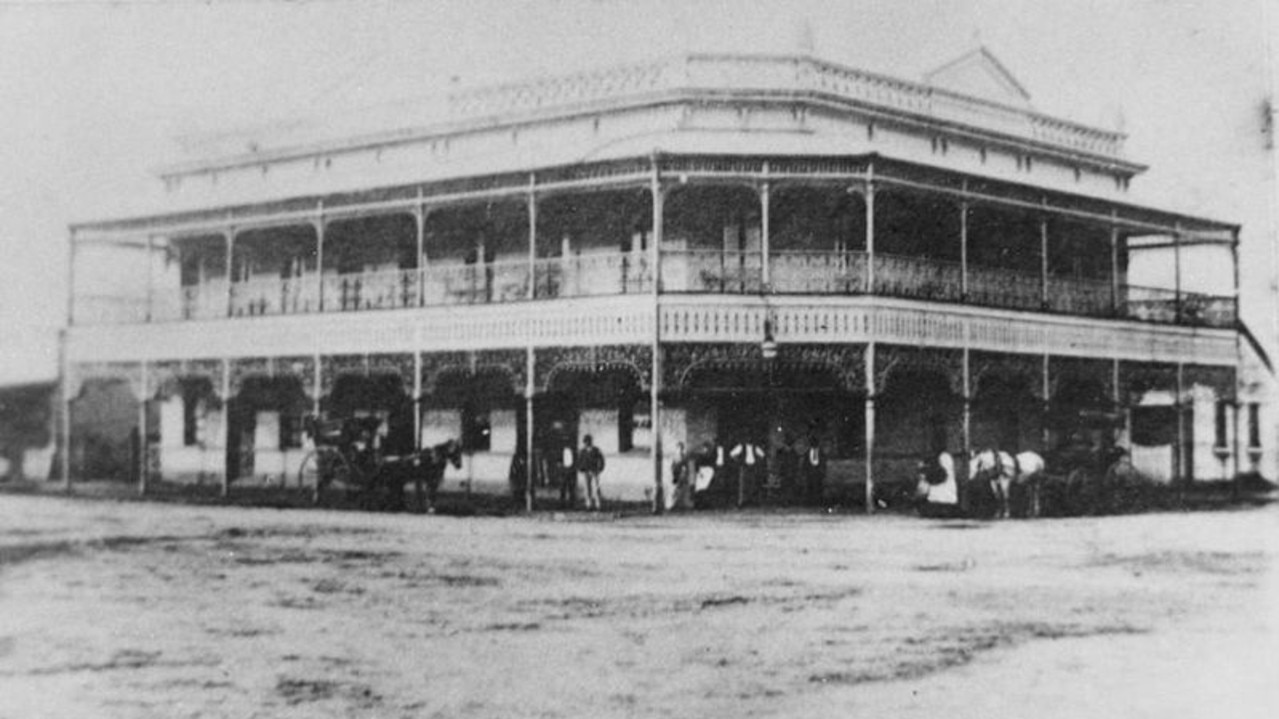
<point>563,463</point>
<point>741,474</point>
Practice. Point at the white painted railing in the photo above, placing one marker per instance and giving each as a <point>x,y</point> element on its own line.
<point>804,272</point>
<point>683,271</point>
<point>779,75</point>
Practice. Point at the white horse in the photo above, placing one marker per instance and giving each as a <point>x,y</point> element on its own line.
<point>1003,470</point>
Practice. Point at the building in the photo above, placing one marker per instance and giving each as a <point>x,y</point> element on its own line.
<point>710,247</point>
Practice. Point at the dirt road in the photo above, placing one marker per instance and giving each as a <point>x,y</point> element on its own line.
<point>145,610</point>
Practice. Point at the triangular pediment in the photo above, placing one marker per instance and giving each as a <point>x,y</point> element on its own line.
<point>980,74</point>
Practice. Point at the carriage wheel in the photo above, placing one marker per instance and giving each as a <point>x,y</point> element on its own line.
<point>1121,470</point>
<point>326,469</point>
<point>1079,492</point>
<point>309,474</point>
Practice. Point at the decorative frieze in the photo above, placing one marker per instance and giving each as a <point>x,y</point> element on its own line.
<point>681,363</point>
<point>1069,372</point>
<point>633,360</point>
<point>986,365</point>
<point>1222,380</point>
<point>948,363</point>
<point>1137,378</point>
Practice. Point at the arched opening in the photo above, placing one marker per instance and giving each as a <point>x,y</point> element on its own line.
<point>817,239</point>
<point>1004,257</point>
<point>1006,415</point>
<point>105,437</point>
<point>917,246</point>
<point>271,268</point>
<point>917,415</point>
<point>265,431</point>
<point>201,281</point>
<point>370,263</point>
<point>476,253</point>
<point>379,395</point>
<point>594,243</point>
<point>711,240</point>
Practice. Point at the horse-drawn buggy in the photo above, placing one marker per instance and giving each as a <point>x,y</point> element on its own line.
<point>1087,472</point>
<point>351,454</point>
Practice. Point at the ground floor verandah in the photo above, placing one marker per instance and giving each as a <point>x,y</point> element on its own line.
<point>240,421</point>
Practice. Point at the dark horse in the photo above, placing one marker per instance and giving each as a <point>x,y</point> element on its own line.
<point>428,474</point>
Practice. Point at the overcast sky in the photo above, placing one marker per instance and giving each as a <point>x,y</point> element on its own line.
<point>93,95</point>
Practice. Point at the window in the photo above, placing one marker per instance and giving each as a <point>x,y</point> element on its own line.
<point>194,407</point>
<point>1220,425</point>
<point>1254,425</point>
<point>290,430</point>
<point>477,432</point>
<point>625,426</point>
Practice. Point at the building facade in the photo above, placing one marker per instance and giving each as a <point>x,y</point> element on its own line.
<point>706,249</point>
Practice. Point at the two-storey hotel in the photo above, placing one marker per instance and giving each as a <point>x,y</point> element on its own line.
<point>710,248</point>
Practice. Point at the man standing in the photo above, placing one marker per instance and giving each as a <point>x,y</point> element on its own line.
<point>564,463</point>
<point>591,462</point>
<point>814,470</point>
<point>751,468</point>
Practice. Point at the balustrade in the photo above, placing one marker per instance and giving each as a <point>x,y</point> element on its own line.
<point>804,272</point>
<point>1081,296</point>
<point>918,278</point>
<point>998,287</point>
<point>712,271</point>
<point>697,271</point>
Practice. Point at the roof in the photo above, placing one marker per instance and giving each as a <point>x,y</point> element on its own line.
<point>981,74</point>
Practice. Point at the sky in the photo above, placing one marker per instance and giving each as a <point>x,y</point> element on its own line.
<point>94,96</point>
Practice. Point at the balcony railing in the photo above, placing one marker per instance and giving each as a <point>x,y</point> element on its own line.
<point>683,271</point>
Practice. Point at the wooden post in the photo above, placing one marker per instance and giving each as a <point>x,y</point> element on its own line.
<point>963,248</point>
<point>1179,455</point>
<point>764,240</point>
<point>419,219</point>
<point>1176,261</point>
<point>870,229</point>
<point>1114,272</point>
<point>1043,259</point>
<point>65,362</point>
<point>226,426</point>
<point>230,272</point>
<point>530,359</point>
<point>869,362</point>
<point>149,315</point>
<point>142,428</point>
<point>320,229</point>
<point>655,381</point>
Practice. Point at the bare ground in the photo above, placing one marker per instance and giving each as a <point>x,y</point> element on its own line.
<point>114,609</point>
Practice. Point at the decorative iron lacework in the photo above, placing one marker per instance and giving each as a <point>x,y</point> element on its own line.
<point>164,379</point>
<point>947,362</point>
<point>1067,371</point>
<point>551,362</point>
<point>435,364</point>
<point>1137,378</point>
<point>594,171</point>
<point>83,372</point>
<point>713,165</point>
<point>398,363</point>
<point>681,361</point>
<point>511,362</point>
<point>816,166</point>
<point>334,365</point>
<point>1222,380</point>
<point>300,366</point>
<point>983,365</point>
<point>244,367</point>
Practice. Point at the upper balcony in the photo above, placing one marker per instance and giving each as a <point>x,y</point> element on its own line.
<point>720,234</point>
<point>794,272</point>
